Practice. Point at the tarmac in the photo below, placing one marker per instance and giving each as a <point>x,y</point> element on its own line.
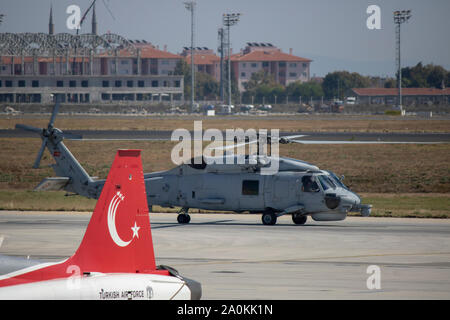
<point>234,256</point>
<point>158,135</point>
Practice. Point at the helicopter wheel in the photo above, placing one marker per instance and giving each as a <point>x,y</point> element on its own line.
<point>269,218</point>
<point>298,218</point>
<point>183,218</point>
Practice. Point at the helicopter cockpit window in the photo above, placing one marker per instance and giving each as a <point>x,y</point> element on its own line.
<point>309,184</point>
<point>336,180</point>
<point>326,183</point>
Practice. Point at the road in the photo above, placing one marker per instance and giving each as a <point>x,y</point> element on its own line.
<point>236,257</point>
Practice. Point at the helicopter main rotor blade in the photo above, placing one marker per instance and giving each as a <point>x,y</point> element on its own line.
<point>40,153</point>
<point>232,146</point>
<point>282,139</point>
<point>72,136</point>
<point>295,136</point>
<point>360,142</point>
<point>28,128</point>
<point>54,113</point>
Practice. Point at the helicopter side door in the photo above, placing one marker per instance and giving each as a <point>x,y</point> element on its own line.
<point>283,191</point>
<point>218,192</point>
<point>251,192</point>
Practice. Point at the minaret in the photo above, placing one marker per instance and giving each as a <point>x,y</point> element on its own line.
<point>51,25</point>
<point>94,21</point>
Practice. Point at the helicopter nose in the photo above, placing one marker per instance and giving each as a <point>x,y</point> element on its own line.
<point>350,200</point>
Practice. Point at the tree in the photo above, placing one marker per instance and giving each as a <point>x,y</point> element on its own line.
<point>260,86</point>
<point>420,76</point>
<point>338,83</point>
<point>260,78</point>
<point>206,87</point>
<point>182,68</point>
<point>436,75</point>
<point>390,83</point>
<point>305,89</point>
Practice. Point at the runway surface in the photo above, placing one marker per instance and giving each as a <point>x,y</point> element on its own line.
<point>236,257</point>
<point>155,135</point>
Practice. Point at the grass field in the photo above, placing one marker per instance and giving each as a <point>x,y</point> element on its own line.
<point>408,180</point>
<point>335,123</point>
<point>370,168</point>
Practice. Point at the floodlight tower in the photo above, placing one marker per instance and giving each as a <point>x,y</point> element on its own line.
<point>221,49</point>
<point>399,18</point>
<point>230,19</point>
<point>190,5</point>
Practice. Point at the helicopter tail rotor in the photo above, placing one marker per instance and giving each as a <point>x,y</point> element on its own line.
<point>46,133</point>
<point>28,128</point>
<point>40,153</point>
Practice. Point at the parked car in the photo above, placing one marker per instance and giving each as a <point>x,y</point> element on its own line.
<point>247,107</point>
<point>350,100</point>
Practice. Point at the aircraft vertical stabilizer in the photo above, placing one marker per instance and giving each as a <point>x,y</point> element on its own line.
<point>118,238</point>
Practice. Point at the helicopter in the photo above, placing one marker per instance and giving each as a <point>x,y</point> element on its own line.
<point>235,183</point>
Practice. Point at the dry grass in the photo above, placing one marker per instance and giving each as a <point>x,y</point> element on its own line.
<point>382,168</point>
<point>399,180</point>
<point>284,123</point>
<point>369,168</point>
<point>431,205</point>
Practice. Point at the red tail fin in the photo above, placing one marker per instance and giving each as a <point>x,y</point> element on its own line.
<point>118,237</point>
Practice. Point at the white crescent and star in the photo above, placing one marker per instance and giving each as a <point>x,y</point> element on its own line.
<point>115,201</point>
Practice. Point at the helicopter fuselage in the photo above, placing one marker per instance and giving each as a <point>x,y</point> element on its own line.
<point>297,188</point>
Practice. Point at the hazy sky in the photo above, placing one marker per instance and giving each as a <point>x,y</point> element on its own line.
<point>333,33</point>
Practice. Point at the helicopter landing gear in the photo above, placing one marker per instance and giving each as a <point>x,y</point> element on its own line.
<point>299,218</point>
<point>183,216</point>
<point>269,218</point>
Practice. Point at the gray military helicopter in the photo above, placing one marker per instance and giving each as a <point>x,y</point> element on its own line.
<point>297,188</point>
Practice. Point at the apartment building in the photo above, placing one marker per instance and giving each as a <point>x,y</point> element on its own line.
<point>205,61</point>
<point>256,56</point>
<point>285,67</point>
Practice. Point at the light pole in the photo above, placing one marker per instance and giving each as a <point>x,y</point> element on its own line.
<point>190,5</point>
<point>221,49</point>
<point>230,19</point>
<point>399,18</point>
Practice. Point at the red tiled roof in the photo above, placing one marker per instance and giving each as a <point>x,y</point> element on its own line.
<point>260,55</point>
<point>405,91</point>
<point>202,58</point>
<point>149,52</point>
